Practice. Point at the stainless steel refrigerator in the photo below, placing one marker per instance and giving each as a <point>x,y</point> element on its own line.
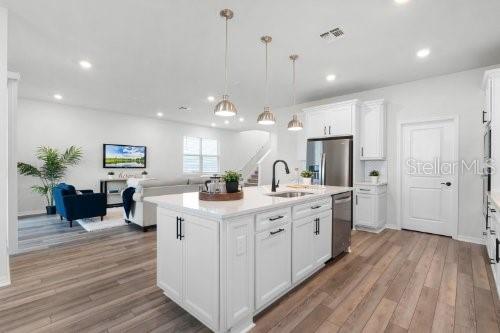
<point>330,160</point>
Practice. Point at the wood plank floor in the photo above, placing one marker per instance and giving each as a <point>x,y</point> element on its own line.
<point>396,281</point>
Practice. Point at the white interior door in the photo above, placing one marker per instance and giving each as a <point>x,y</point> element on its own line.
<point>430,177</point>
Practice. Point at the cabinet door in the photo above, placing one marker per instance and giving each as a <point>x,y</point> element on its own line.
<point>169,260</point>
<point>272,264</point>
<point>338,121</point>
<point>201,269</point>
<point>316,125</point>
<point>365,213</point>
<point>302,247</point>
<point>372,123</point>
<point>488,101</point>
<point>323,239</point>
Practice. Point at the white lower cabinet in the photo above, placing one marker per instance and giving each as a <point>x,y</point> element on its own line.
<point>189,273</point>
<point>272,263</point>
<point>311,244</point>
<point>370,206</point>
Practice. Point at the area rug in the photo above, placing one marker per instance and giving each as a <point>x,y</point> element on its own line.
<point>113,219</point>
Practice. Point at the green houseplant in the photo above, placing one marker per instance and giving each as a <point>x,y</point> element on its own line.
<point>306,177</point>
<point>232,179</point>
<point>51,171</point>
<point>374,174</point>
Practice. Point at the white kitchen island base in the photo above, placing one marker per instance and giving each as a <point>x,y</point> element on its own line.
<point>226,262</point>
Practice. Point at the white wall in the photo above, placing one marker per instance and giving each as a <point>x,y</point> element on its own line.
<point>4,152</point>
<point>456,94</point>
<point>60,126</point>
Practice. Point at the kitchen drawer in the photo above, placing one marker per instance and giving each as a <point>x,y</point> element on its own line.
<point>371,189</point>
<point>311,208</point>
<point>273,218</point>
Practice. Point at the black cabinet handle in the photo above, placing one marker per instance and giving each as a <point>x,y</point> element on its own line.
<point>447,183</point>
<point>329,129</point>
<point>177,226</point>
<point>318,226</point>
<point>277,231</point>
<point>362,151</point>
<point>316,207</point>
<point>356,199</point>
<point>276,218</point>
<point>493,210</point>
<point>497,255</point>
<point>484,113</point>
<point>324,130</point>
<point>181,236</point>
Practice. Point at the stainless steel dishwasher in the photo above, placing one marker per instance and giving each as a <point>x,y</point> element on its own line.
<point>341,223</point>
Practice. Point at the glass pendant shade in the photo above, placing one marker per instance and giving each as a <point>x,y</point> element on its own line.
<point>266,117</point>
<point>295,124</point>
<point>225,108</point>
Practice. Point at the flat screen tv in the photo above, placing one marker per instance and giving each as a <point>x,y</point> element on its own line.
<point>123,156</point>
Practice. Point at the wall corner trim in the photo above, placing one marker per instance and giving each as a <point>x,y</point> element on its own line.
<point>468,239</point>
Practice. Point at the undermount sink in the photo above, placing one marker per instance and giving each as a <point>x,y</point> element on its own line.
<point>289,194</point>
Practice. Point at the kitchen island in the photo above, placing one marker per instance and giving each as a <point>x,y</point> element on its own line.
<point>224,262</point>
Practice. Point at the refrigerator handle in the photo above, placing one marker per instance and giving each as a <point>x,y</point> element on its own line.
<point>323,164</point>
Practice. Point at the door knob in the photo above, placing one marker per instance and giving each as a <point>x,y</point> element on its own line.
<point>447,184</point>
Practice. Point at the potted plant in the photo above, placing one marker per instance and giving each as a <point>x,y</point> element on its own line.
<point>374,174</point>
<point>232,179</point>
<point>111,175</point>
<point>144,174</point>
<point>306,177</point>
<point>51,171</point>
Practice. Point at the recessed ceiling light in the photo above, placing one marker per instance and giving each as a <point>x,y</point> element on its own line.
<point>401,2</point>
<point>212,124</point>
<point>211,99</point>
<point>331,77</point>
<point>242,119</point>
<point>58,97</point>
<point>423,53</point>
<point>226,122</point>
<point>85,64</point>
<point>159,114</point>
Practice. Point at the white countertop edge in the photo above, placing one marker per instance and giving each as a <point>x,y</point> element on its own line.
<point>214,216</point>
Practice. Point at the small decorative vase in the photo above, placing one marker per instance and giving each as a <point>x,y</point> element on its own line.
<point>374,179</point>
<point>306,181</point>
<point>232,187</point>
<point>111,177</point>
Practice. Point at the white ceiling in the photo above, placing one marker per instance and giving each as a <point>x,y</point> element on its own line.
<point>157,55</point>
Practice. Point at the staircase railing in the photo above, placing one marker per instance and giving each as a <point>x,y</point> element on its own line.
<point>251,166</point>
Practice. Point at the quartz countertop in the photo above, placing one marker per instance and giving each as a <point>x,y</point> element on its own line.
<point>256,199</point>
<point>381,183</point>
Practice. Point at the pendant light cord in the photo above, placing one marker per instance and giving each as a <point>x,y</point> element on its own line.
<point>225,61</point>
<point>267,83</point>
<point>293,83</point>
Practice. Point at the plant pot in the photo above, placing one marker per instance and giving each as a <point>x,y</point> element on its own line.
<point>51,210</point>
<point>306,181</point>
<point>232,187</point>
<point>374,179</point>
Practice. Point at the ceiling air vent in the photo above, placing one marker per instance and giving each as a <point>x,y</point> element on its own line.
<point>332,35</point>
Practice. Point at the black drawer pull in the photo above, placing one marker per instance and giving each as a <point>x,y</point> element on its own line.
<point>497,255</point>
<point>276,218</point>
<point>364,189</point>
<point>181,236</point>
<point>177,225</point>
<point>316,207</point>
<point>277,231</point>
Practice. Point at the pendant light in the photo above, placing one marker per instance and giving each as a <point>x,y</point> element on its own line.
<point>295,124</point>
<point>266,117</point>
<point>225,108</point>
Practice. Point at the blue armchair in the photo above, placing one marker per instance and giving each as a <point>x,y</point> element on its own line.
<point>73,206</point>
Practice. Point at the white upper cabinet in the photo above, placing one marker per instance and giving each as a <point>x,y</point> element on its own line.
<point>372,130</point>
<point>335,119</point>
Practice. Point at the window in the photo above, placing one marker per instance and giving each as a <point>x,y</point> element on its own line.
<point>200,155</point>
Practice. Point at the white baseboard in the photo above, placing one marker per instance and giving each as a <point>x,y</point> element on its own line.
<point>4,281</point>
<point>393,226</point>
<point>31,213</point>
<point>468,239</point>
